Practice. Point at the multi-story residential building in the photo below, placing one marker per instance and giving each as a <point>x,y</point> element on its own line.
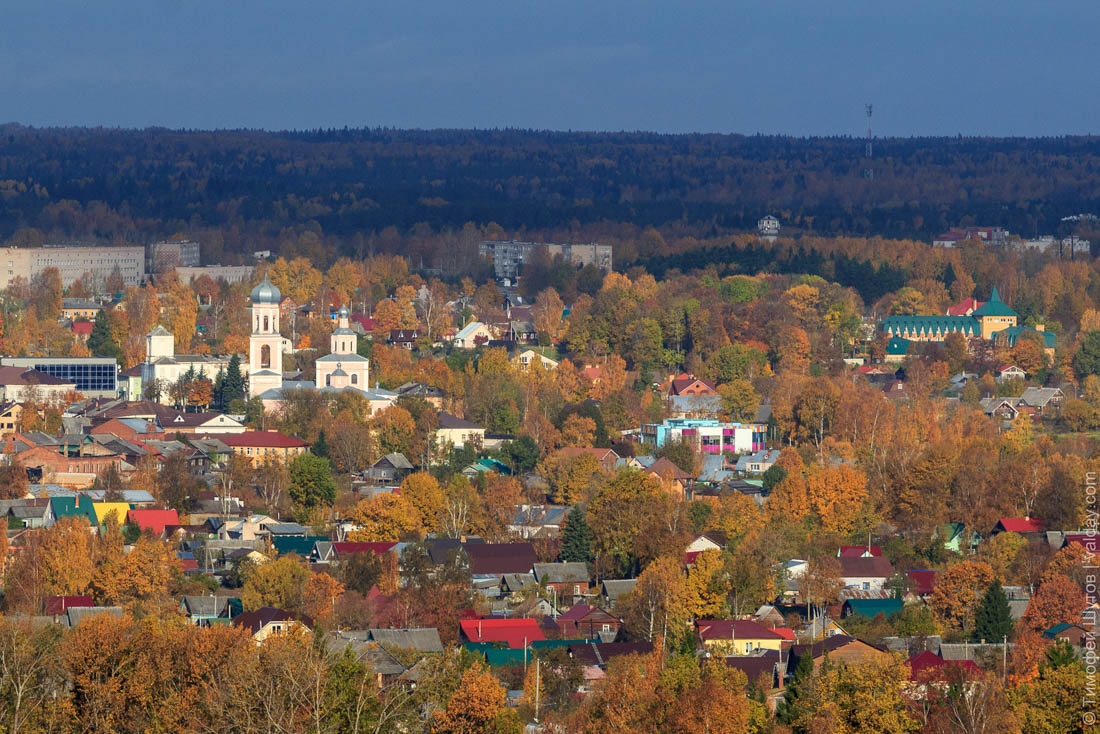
<point>163,256</point>
<point>79,309</point>
<point>509,256</point>
<point>709,436</point>
<point>73,262</point>
<point>952,237</point>
<point>229,273</point>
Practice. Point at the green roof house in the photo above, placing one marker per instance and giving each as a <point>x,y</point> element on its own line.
<point>74,507</point>
<point>1008,337</point>
<point>871,608</point>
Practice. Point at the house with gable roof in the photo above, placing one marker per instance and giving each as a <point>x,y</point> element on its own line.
<point>458,431</point>
<point>268,621</point>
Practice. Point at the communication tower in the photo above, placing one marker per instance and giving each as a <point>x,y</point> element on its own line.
<point>869,172</point>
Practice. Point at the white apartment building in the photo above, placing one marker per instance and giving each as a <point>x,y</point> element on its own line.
<point>73,261</point>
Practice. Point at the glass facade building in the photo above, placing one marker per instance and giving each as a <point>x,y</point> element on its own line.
<point>94,377</point>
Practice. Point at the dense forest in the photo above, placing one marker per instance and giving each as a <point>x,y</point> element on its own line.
<point>259,188</point>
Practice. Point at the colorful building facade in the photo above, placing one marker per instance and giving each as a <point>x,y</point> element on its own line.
<point>709,436</point>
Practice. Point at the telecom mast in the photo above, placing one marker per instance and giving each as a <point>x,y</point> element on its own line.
<point>869,172</point>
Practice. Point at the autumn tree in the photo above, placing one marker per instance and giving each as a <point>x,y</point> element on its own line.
<point>385,516</point>
<point>319,597</point>
<point>955,595</point>
<point>570,475</point>
<point>280,583</point>
<point>656,606</point>
<point>477,705</point>
<point>59,560</point>
<point>1059,599</point>
<point>740,399</point>
<point>422,492</point>
<point>707,586</point>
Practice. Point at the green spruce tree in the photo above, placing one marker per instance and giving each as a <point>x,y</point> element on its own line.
<point>576,538</point>
<point>101,341</point>
<point>788,710</point>
<point>217,395</point>
<point>233,386</point>
<point>320,446</point>
<point>992,620</point>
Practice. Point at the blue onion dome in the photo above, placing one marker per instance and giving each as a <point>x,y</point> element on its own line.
<point>266,292</point>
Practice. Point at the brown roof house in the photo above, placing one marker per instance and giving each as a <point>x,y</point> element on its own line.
<point>867,574</point>
<point>591,623</point>
<point>840,649</point>
<point>267,621</point>
<point>606,458</point>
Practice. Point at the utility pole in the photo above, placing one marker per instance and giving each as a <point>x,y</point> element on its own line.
<point>537,670</point>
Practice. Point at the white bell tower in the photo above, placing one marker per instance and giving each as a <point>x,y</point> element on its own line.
<point>265,346</point>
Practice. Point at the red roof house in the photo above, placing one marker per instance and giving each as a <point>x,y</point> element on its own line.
<point>153,520</point>
<point>1017,525</point>
<point>516,633</point>
<point>928,666</point>
<point>56,605</point>
<point>348,548</point>
<point>859,551</point>
<point>923,581</point>
<point>964,308</point>
<point>261,439</point>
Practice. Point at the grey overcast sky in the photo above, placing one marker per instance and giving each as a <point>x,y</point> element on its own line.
<point>802,67</point>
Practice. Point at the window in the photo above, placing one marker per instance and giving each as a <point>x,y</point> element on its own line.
<point>266,328</point>
<point>354,379</point>
<point>748,647</point>
<point>265,355</point>
<point>866,585</point>
<point>328,380</point>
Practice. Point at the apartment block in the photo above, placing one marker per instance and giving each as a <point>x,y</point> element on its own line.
<point>509,256</point>
<point>73,261</point>
<point>163,256</point>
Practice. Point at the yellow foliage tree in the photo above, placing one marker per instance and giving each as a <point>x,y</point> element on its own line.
<point>425,496</point>
<point>707,586</point>
<point>280,583</point>
<point>385,516</point>
<point>296,278</point>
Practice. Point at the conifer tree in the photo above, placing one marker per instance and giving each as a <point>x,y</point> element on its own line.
<point>320,446</point>
<point>101,342</point>
<point>797,688</point>
<point>993,619</point>
<point>233,388</point>
<point>576,538</point>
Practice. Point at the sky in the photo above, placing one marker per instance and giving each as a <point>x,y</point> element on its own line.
<point>798,67</point>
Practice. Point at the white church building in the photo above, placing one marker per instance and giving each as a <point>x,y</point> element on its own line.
<point>163,367</point>
<point>343,369</point>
